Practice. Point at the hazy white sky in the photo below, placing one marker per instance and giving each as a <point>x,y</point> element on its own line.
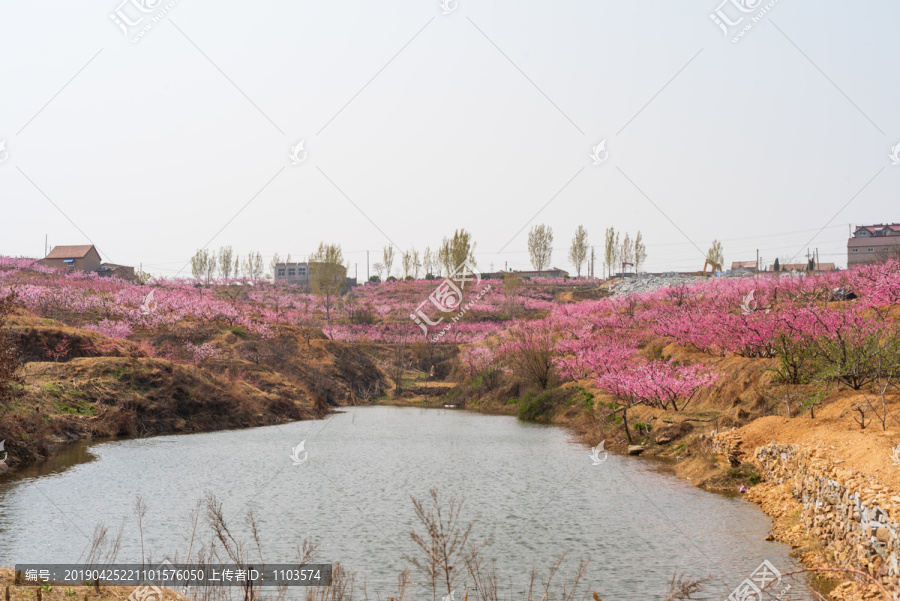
<point>418,122</point>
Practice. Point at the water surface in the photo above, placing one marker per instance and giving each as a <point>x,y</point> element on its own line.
<point>532,487</point>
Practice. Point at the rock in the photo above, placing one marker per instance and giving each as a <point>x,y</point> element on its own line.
<point>635,449</point>
<point>770,537</point>
<point>663,440</point>
<point>883,535</point>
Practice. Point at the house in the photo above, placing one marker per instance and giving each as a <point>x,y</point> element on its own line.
<point>84,257</point>
<point>873,243</point>
<point>124,272</point>
<point>298,273</point>
<point>749,266</point>
<point>73,258</point>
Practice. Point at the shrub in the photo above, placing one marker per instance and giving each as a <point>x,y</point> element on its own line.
<point>363,317</point>
<point>540,406</point>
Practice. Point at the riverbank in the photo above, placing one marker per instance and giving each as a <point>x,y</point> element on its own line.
<point>831,487</point>
<point>99,387</point>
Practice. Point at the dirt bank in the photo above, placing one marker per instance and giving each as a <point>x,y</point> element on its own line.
<point>79,384</point>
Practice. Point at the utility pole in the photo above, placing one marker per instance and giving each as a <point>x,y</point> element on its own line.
<point>45,245</point>
<point>757,264</point>
<point>817,259</point>
<point>367,266</point>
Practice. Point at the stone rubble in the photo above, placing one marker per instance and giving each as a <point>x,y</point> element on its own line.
<point>854,518</point>
<point>728,444</point>
<point>648,283</point>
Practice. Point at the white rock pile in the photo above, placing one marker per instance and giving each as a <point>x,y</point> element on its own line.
<point>648,283</point>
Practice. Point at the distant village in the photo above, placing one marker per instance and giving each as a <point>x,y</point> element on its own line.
<point>868,244</point>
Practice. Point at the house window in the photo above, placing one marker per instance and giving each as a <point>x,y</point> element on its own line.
<point>871,250</point>
<point>301,271</point>
<point>856,250</point>
<point>281,273</point>
<point>291,271</point>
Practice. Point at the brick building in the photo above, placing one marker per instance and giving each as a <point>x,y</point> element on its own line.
<point>872,243</point>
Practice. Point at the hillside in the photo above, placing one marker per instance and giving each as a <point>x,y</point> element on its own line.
<point>92,386</point>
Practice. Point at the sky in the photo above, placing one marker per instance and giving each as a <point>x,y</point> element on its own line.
<point>180,130</point>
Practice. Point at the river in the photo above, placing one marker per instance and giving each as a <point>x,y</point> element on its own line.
<point>532,487</point>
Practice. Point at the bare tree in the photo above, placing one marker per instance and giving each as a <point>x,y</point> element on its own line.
<point>512,286</point>
<point>211,266</point>
<point>388,255</point>
<point>444,258</point>
<point>609,250</point>
<point>640,251</point>
<point>273,264</point>
<point>256,266</point>
<point>617,251</point>
<point>716,254</point>
<point>199,262</point>
<point>444,542</point>
<point>627,251</point>
<point>416,263</point>
<point>459,249</point>
<point>540,246</point>
<point>378,268</point>
<point>886,369</point>
<point>429,261</point>
<point>579,250</point>
<point>407,262</point>
<point>327,275</point>
<point>225,261</point>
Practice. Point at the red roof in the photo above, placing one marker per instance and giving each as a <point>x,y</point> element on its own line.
<point>70,252</point>
<point>879,226</point>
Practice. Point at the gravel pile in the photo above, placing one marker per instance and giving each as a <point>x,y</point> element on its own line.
<point>648,283</point>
